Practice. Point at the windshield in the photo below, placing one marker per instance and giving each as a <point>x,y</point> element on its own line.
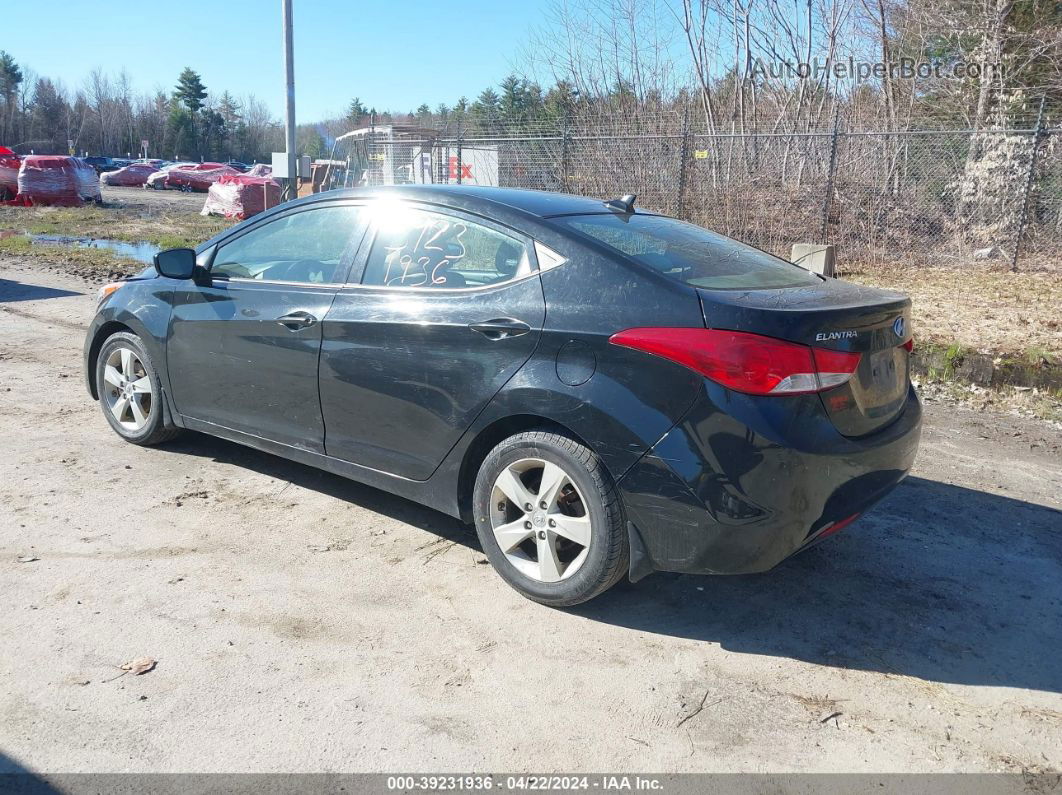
<point>689,253</point>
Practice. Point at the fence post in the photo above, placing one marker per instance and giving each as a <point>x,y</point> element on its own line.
<point>1038,138</point>
<point>684,157</point>
<point>460,133</point>
<point>830,175</point>
<point>564,164</point>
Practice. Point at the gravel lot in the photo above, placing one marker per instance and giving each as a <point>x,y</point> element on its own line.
<point>304,622</point>
<point>149,201</point>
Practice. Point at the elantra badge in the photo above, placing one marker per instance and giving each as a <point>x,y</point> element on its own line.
<point>826,336</point>
<point>898,326</point>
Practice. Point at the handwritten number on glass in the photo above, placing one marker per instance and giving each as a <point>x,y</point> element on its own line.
<point>427,262</point>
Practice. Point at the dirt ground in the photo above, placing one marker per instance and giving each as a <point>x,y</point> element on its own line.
<point>981,309</point>
<point>303,622</point>
<point>145,201</point>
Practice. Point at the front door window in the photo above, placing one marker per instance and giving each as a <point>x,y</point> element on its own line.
<point>308,247</point>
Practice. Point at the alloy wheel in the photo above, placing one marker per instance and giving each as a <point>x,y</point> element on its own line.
<point>540,520</point>
<point>127,389</point>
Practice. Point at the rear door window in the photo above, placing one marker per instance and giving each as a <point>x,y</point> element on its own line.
<point>420,248</point>
<point>689,253</point>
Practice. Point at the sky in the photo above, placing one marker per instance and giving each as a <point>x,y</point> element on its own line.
<point>392,54</point>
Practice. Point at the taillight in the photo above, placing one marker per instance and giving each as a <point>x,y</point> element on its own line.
<point>909,345</point>
<point>749,363</point>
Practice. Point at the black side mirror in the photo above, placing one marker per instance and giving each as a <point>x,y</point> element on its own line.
<point>176,263</point>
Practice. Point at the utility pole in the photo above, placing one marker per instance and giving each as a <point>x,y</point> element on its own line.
<point>290,189</point>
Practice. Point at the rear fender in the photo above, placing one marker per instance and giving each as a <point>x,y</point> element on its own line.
<point>618,424</point>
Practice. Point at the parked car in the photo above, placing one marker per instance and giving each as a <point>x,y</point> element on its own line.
<point>132,175</point>
<point>101,164</point>
<point>189,176</point>
<point>157,180</point>
<point>603,391</point>
<point>236,164</point>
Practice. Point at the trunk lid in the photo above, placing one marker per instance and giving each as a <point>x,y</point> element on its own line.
<point>839,316</point>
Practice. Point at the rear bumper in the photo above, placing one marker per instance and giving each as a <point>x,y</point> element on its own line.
<point>738,489</point>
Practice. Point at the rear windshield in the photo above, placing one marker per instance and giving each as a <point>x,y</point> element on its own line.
<point>689,253</point>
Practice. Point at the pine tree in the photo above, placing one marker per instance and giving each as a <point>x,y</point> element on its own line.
<point>49,111</point>
<point>356,112</point>
<point>511,103</point>
<point>10,80</point>
<point>561,100</point>
<point>229,109</point>
<point>486,105</point>
<point>180,132</point>
<point>190,90</point>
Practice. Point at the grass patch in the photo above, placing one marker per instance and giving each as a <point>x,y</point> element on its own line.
<point>15,245</point>
<point>976,309</point>
<point>171,228</point>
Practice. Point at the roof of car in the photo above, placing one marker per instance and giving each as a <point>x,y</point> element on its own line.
<point>534,202</point>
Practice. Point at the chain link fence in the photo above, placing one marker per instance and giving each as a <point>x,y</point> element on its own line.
<point>927,197</point>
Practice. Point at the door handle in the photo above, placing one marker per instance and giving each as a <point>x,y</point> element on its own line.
<point>500,328</point>
<point>297,321</point>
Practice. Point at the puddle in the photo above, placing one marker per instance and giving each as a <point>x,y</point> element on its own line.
<point>141,252</point>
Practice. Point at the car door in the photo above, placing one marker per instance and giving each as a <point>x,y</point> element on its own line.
<point>448,308</point>
<point>244,341</point>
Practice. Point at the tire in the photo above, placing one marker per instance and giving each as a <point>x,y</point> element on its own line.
<point>126,401</point>
<point>572,550</point>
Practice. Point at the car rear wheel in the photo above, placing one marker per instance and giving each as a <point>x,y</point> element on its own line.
<point>549,519</point>
<point>130,392</point>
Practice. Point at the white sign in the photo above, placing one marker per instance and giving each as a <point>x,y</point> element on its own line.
<point>478,166</point>
<point>280,165</point>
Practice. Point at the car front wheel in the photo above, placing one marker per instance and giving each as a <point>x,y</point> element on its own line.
<point>549,518</point>
<point>130,391</point>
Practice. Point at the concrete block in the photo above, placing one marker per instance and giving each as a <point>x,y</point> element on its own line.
<point>815,257</point>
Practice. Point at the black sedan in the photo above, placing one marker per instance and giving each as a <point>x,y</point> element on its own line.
<point>603,391</point>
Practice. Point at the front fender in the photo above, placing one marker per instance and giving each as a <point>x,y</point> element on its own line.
<point>143,307</point>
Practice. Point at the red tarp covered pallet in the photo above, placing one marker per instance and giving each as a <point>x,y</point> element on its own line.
<point>9,164</point>
<point>53,179</point>
<point>241,196</point>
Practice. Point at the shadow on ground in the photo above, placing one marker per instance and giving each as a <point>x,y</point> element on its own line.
<point>938,582</point>
<point>11,291</point>
<point>340,488</point>
<point>19,780</point>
